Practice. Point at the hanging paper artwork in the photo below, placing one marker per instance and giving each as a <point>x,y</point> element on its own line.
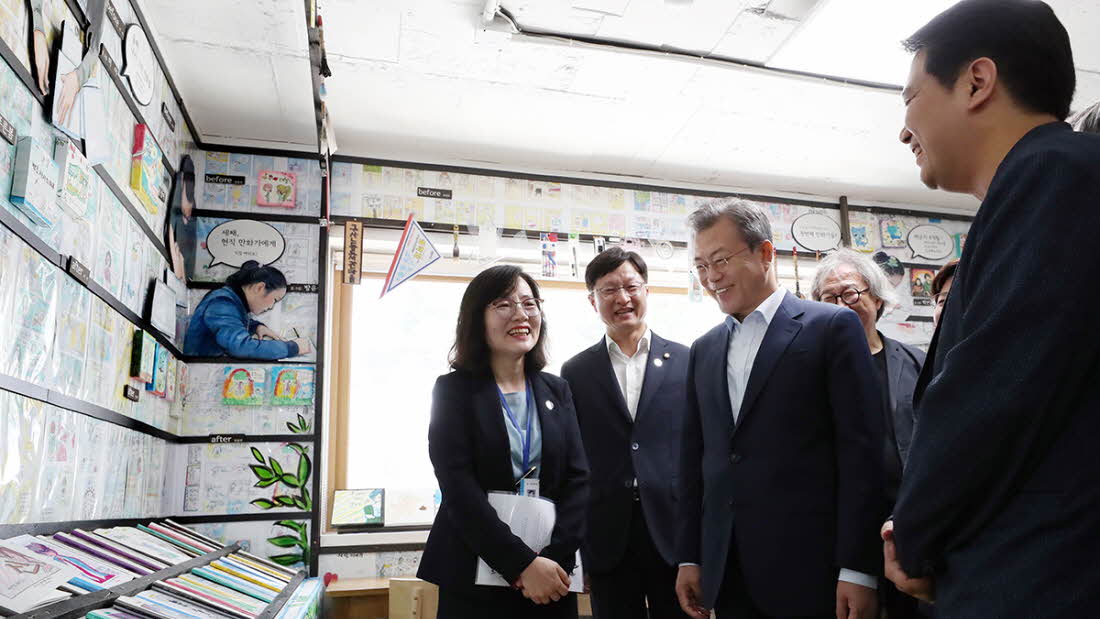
<point>277,189</point>
<point>75,178</point>
<point>894,232</point>
<point>34,183</point>
<point>143,361</point>
<point>159,384</point>
<point>414,254</point>
<point>293,386</point>
<point>549,245</point>
<point>244,386</point>
<point>146,176</point>
<point>172,380</point>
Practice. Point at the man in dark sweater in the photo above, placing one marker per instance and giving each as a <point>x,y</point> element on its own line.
<point>999,508</point>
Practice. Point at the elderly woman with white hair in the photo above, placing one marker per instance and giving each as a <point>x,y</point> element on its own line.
<point>851,279</point>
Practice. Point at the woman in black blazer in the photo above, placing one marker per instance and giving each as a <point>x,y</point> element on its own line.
<point>493,418</point>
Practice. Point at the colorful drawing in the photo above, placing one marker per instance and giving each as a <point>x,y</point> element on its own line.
<point>270,472</point>
<point>293,386</point>
<point>244,386</point>
<point>159,384</point>
<point>75,177</point>
<point>861,238</point>
<point>920,282</point>
<point>358,507</point>
<point>146,170</point>
<point>144,357</point>
<point>172,380</point>
<point>34,183</point>
<point>277,189</point>
<point>894,232</point>
<point>960,242</point>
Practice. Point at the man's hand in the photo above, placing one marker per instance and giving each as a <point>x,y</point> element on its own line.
<point>42,61</point>
<point>544,581</point>
<point>70,88</point>
<point>689,590</point>
<point>855,601</point>
<point>920,588</point>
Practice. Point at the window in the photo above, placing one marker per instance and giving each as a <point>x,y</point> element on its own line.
<point>399,345</point>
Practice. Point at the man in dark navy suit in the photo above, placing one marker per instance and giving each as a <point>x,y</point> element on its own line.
<point>851,279</point>
<point>628,390</point>
<point>999,510</point>
<point>780,460</point>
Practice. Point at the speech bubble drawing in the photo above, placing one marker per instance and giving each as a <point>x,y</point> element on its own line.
<point>235,242</point>
<point>816,232</point>
<point>139,64</point>
<point>930,242</point>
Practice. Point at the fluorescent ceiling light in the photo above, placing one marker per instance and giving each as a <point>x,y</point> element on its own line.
<point>857,39</point>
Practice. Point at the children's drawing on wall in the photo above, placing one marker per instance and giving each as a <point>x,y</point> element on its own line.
<point>891,266</point>
<point>76,87</point>
<point>224,322</point>
<point>180,234</point>
<point>894,232</point>
<point>920,284</point>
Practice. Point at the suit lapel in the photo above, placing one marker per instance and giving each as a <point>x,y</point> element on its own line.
<point>779,335</point>
<point>487,403</point>
<point>893,371</point>
<point>654,373</point>
<point>606,375</point>
<point>718,365</point>
<point>547,407</point>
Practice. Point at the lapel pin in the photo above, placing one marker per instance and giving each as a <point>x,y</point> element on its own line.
<point>549,405</point>
<point>666,355</point>
<point>658,362</point>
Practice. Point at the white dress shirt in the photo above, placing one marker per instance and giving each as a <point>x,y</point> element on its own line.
<point>630,371</point>
<point>745,340</point>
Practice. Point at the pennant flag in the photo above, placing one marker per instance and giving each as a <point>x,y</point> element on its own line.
<point>414,253</point>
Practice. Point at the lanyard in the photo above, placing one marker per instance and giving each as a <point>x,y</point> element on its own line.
<point>515,424</point>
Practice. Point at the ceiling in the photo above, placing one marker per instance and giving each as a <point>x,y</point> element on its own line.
<point>426,81</point>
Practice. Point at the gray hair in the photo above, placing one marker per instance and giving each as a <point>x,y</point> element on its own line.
<point>861,263</point>
<point>749,218</point>
<point>1088,119</point>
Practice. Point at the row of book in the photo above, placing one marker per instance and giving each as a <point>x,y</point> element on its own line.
<point>39,570</point>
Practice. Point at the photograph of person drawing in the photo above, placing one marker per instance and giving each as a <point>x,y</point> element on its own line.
<point>224,323</point>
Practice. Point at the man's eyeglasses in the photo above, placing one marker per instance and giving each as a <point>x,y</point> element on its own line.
<point>506,308</point>
<point>632,290</point>
<point>702,268</point>
<point>849,297</point>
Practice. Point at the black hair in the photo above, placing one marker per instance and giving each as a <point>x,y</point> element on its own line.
<point>251,273</point>
<point>186,176</point>
<point>471,349</point>
<point>944,274</point>
<point>610,259</point>
<point>1023,37</point>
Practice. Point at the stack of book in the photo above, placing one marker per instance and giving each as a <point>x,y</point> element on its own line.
<point>35,571</point>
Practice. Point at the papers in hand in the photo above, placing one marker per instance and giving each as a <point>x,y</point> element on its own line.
<point>532,520</point>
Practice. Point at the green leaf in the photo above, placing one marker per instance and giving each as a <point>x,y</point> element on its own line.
<point>300,504</point>
<point>261,471</point>
<point>285,500</point>
<point>293,428</point>
<point>284,541</point>
<point>291,481</point>
<point>302,422</point>
<point>292,524</point>
<point>298,448</point>
<point>305,499</point>
<point>286,560</point>
<point>262,503</point>
<point>264,483</point>
<point>276,467</point>
<point>303,469</point>
<point>257,455</point>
